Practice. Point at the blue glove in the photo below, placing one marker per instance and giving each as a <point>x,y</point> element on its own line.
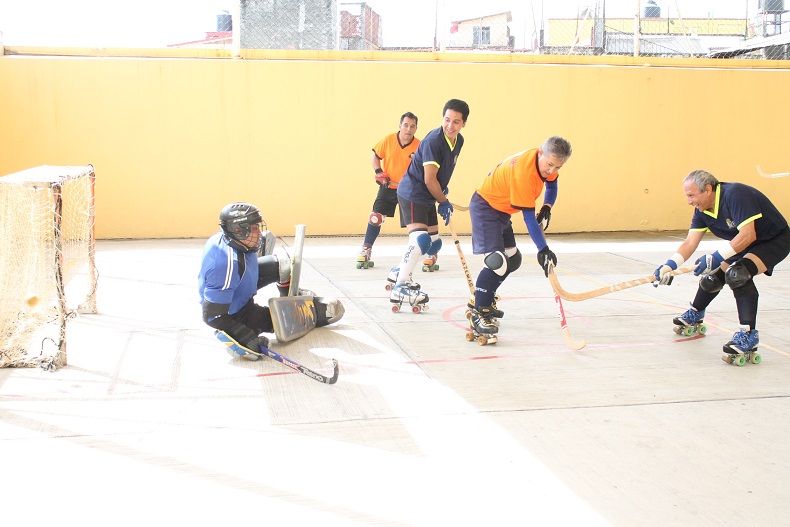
<point>662,275</point>
<point>708,263</point>
<point>445,211</point>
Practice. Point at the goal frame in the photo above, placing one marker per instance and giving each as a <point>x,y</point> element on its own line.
<point>55,178</point>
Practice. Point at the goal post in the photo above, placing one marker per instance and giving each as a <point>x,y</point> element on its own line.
<point>47,261</point>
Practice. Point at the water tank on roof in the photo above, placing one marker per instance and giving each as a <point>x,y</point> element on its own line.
<point>652,10</point>
<point>771,6</point>
<point>224,22</point>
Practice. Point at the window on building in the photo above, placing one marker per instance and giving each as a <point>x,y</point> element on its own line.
<point>481,35</point>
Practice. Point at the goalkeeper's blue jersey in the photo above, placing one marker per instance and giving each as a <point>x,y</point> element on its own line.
<point>220,280</point>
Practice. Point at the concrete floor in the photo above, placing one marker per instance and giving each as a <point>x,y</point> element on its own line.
<point>152,423</point>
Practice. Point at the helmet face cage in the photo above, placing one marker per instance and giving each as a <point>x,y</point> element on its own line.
<point>237,220</point>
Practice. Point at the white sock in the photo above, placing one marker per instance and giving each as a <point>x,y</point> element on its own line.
<point>410,258</point>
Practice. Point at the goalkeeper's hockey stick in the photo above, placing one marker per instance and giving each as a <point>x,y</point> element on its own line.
<point>240,350</point>
<point>282,359</point>
<point>578,297</point>
<point>775,175</point>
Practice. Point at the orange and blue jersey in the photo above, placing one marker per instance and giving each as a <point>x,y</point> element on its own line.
<point>395,157</point>
<point>736,205</point>
<point>515,183</point>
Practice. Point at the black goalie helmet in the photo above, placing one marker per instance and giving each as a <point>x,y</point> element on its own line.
<point>237,219</point>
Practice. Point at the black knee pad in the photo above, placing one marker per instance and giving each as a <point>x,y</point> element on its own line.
<point>514,262</point>
<point>712,283</point>
<point>497,262</point>
<point>740,274</point>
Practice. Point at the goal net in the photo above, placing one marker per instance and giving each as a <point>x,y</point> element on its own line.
<point>47,261</point>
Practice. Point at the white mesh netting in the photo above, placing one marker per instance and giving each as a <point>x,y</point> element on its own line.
<point>47,261</point>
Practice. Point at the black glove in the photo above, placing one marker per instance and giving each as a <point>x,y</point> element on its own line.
<point>258,344</point>
<point>546,258</point>
<point>544,216</point>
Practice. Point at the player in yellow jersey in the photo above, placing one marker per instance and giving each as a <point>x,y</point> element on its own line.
<point>514,185</point>
<point>391,158</point>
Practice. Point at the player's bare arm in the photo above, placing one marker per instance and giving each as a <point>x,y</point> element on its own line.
<point>746,236</point>
<point>432,182</point>
<point>690,244</point>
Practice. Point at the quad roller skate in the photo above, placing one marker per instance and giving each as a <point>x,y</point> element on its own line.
<point>363,260</point>
<point>408,294</point>
<point>392,277</point>
<point>429,264</point>
<point>495,312</point>
<point>483,325</point>
<point>742,348</point>
<point>690,323</point>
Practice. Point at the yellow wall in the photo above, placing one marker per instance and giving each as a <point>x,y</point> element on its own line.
<point>174,139</point>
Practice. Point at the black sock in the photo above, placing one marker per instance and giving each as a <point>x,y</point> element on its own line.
<point>746,298</point>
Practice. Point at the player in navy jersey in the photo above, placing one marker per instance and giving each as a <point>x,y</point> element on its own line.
<point>423,186</point>
<point>756,238</point>
<point>232,272</point>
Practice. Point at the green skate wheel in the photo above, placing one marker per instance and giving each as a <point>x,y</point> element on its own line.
<point>755,358</point>
<point>359,265</point>
<point>424,268</point>
<point>702,329</point>
<point>370,264</point>
<point>436,267</point>
<point>688,331</point>
<point>739,360</point>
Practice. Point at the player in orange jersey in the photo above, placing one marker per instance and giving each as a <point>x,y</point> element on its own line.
<point>391,158</point>
<point>514,185</point>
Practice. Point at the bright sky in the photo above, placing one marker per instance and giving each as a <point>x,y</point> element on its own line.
<point>143,23</point>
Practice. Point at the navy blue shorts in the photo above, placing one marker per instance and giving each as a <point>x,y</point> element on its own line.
<point>415,212</point>
<point>771,252</point>
<point>492,230</point>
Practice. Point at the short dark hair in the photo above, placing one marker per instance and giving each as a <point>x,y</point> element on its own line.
<point>457,105</point>
<point>410,116</point>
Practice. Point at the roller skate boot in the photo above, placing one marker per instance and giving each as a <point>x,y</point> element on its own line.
<point>742,348</point>
<point>483,325</point>
<point>363,260</point>
<point>496,313</point>
<point>429,264</point>
<point>407,293</point>
<point>392,277</point>
<point>690,323</point>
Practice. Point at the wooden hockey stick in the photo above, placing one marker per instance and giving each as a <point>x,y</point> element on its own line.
<point>578,297</point>
<point>571,342</point>
<point>461,256</point>
<point>459,207</point>
<point>766,174</point>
